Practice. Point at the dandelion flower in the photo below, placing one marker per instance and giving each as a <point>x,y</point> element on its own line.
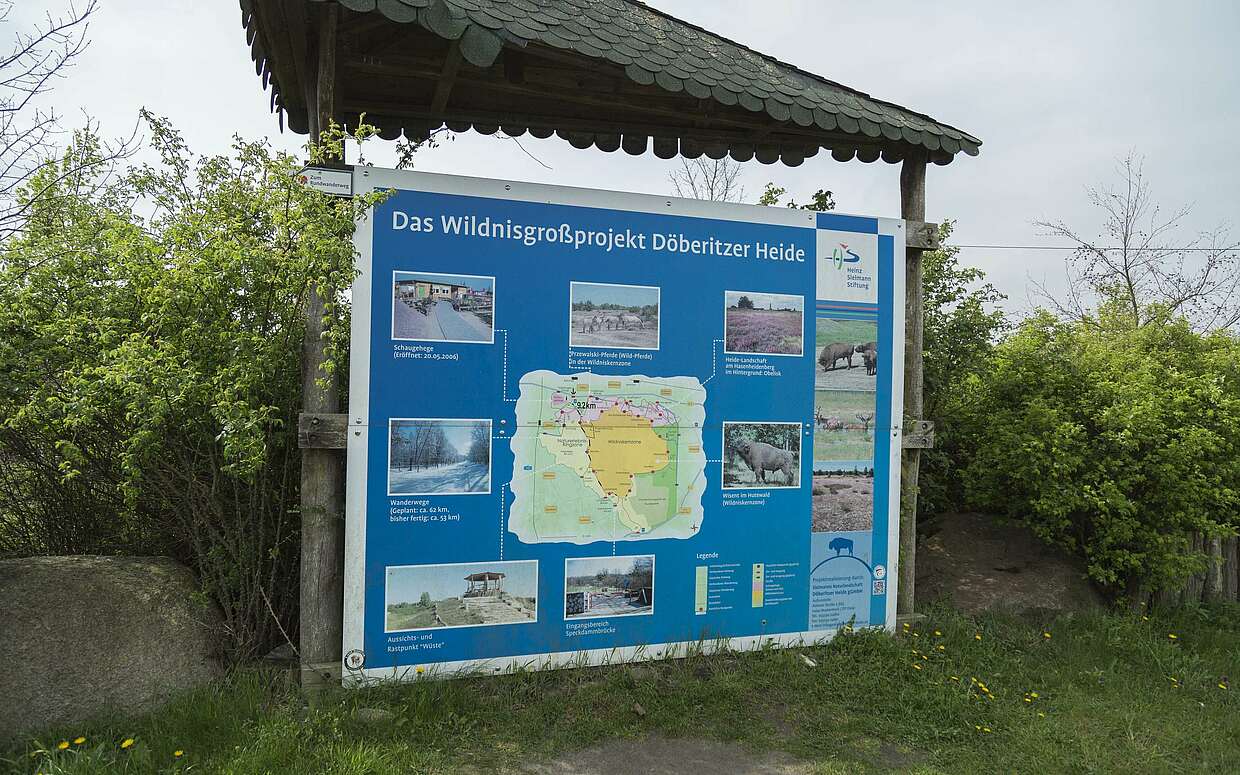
<point>916,666</point>
<point>1222,685</point>
<point>1173,636</point>
<point>1041,714</point>
<point>79,740</point>
<point>62,745</point>
<point>955,678</point>
<point>1046,635</point>
<point>938,634</point>
<point>1033,695</point>
<point>942,647</point>
<point>1028,700</point>
<point>127,742</point>
<point>977,636</point>
<point>986,730</point>
<point>178,753</point>
<point>1145,618</point>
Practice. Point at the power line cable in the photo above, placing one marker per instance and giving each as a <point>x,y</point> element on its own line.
<point>1080,247</point>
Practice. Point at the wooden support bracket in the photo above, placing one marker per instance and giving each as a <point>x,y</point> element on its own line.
<point>920,235</point>
<point>919,434</point>
<point>322,431</point>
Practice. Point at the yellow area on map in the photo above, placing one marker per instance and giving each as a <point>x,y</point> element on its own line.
<point>622,446</point>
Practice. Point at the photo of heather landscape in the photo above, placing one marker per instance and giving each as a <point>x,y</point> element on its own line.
<point>764,323</point>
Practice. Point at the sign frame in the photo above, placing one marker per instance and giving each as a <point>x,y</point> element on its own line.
<point>355,670</point>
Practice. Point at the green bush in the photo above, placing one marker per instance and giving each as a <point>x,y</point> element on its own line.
<point>1115,442</point>
<point>150,344</point>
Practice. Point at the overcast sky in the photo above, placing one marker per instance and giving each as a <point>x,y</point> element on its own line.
<point>1057,91</point>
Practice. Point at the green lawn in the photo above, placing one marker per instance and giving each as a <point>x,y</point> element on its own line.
<point>827,330</point>
<point>1114,693</point>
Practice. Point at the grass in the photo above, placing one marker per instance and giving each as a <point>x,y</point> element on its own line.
<point>828,330</point>
<point>1114,693</point>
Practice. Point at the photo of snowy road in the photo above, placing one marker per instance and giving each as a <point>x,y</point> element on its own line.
<point>452,477</point>
<point>439,456</point>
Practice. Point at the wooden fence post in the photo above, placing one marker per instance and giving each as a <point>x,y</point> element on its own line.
<point>322,470</point>
<point>912,208</point>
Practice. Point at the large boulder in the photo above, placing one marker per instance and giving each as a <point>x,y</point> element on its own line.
<point>84,636</point>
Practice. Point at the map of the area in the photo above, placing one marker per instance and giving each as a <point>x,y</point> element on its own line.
<point>607,458</point>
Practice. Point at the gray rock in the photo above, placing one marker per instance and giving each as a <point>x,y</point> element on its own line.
<point>88,636</point>
<point>374,715</point>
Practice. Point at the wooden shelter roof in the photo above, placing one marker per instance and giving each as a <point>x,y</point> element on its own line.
<point>485,576</point>
<point>605,73</point>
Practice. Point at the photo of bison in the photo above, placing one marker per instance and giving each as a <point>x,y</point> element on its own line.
<point>763,455</point>
<point>848,354</point>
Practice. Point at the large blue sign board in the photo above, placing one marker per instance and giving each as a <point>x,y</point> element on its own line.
<point>588,426</point>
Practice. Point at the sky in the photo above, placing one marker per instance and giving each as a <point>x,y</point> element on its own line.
<point>458,433</point>
<point>477,283</point>
<point>767,300</point>
<point>624,295</point>
<point>1058,92</point>
<point>405,584</point>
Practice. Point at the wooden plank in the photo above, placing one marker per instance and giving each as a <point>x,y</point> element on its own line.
<point>447,78</point>
<point>922,235</point>
<point>322,431</point>
<point>1212,590</point>
<point>918,434</point>
<point>322,470</point>
<point>912,208</point>
<point>1193,587</point>
<point>1231,569</point>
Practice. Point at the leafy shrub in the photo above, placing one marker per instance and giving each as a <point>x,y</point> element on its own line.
<point>1116,442</point>
<point>150,344</point>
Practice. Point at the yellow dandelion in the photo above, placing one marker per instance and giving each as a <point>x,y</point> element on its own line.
<point>1027,699</point>
<point>1145,618</point>
<point>986,730</point>
<point>127,742</point>
<point>916,666</point>
<point>942,647</point>
<point>955,678</point>
<point>915,635</point>
<point>923,656</point>
<point>178,753</point>
<point>1041,714</point>
<point>938,634</point>
<point>1173,636</point>
<point>1033,695</point>
<point>79,740</point>
<point>1222,685</point>
<point>62,745</point>
<point>978,727</point>
<point>1046,635</point>
<point>978,636</point>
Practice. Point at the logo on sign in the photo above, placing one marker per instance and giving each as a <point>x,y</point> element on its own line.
<point>842,255</point>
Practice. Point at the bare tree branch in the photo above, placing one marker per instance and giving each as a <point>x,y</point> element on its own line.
<point>716,180</point>
<point>1130,269</point>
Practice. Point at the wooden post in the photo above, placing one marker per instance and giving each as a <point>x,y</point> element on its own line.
<point>1213,589</point>
<point>912,208</point>
<point>322,470</point>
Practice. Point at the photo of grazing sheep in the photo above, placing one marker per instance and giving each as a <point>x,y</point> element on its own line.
<point>761,455</point>
<point>763,323</point>
<point>848,354</point>
<point>623,316</point>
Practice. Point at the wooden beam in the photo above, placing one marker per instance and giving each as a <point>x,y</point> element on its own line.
<point>922,235</point>
<point>322,431</point>
<point>912,208</point>
<point>322,470</point>
<point>917,435</point>
<point>447,78</point>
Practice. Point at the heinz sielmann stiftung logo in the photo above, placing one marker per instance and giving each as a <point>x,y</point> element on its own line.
<point>842,255</point>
